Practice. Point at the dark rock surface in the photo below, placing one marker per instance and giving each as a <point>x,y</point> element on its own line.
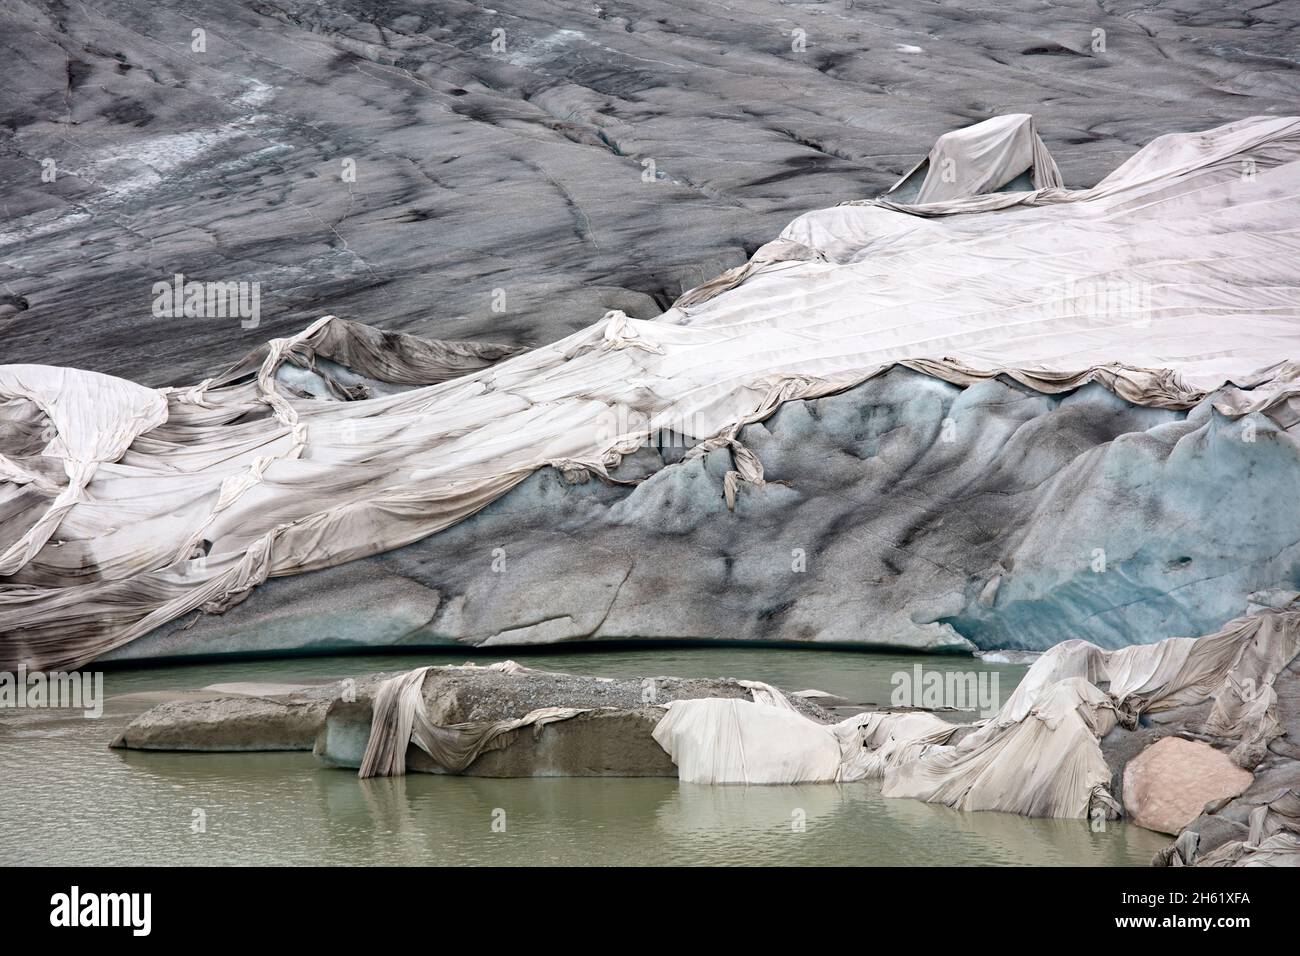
<point>520,168</point>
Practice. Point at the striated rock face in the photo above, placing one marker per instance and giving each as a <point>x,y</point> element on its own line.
<point>906,512</point>
<point>597,156</point>
<point>248,719</point>
<point>1170,782</point>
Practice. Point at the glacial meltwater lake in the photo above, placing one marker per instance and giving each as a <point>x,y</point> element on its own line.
<point>65,798</point>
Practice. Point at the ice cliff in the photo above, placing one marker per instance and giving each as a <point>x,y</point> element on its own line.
<point>904,512</point>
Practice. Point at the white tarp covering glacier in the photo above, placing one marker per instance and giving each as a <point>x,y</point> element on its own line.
<point>1040,755</point>
<point>983,158</point>
<point>123,507</point>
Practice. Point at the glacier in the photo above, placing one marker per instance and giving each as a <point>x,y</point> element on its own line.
<point>906,512</point>
<point>997,419</point>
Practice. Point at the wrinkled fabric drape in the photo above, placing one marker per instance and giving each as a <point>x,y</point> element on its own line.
<point>390,357</point>
<point>1173,278</point>
<point>982,158</point>
<point>1040,755</point>
<point>1272,839</point>
<point>399,718</point>
<point>723,740</point>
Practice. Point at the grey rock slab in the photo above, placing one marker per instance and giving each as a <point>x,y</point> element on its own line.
<point>612,739</point>
<point>239,723</point>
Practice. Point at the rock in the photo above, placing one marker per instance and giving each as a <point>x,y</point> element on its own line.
<point>257,689</point>
<point>238,723</point>
<point>600,743</point>
<point>333,720</point>
<point>1221,827</point>
<point>1213,830</point>
<point>1168,785</point>
<point>612,740</point>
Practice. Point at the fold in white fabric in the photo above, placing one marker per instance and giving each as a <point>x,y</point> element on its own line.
<point>399,719</point>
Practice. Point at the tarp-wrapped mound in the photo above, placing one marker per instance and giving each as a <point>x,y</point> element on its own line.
<point>122,507</point>
<point>1039,756</point>
<point>999,154</point>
